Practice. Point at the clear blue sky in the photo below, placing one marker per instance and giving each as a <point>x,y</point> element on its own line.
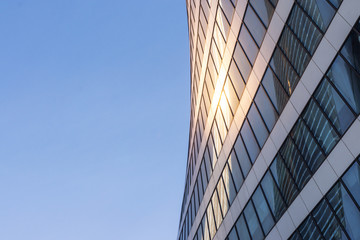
<point>94,117</point>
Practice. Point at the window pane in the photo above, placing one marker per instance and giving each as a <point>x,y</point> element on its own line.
<point>242,62</point>
<point>253,223</point>
<point>283,180</point>
<point>304,29</point>
<point>262,210</point>
<point>307,146</point>
<point>294,51</point>
<point>233,235</point>
<point>320,127</point>
<point>274,89</point>
<point>257,125</point>
<point>266,109</point>
<point>320,12</point>
<point>254,25</point>
<point>235,170</point>
<point>327,222</point>
<point>284,71</point>
<point>236,79</point>
<point>242,229</point>
<point>352,181</point>
<point>223,200</point>
<point>273,196</point>
<point>335,108</point>
<point>264,9</point>
<point>351,50</point>
<point>250,143</point>
<point>347,81</point>
<point>242,155</point>
<point>308,230</point>
<point>295,163</point>
<point>345,209</point>
<point>229,184</point>
<point>248,44</point>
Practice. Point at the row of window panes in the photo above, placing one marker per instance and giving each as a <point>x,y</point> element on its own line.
<point>215,58</point>
<point>226,112</point>
<point>337,215</point>
<point>322,123</point>
<point>262,105</point>
<point>228,98</point>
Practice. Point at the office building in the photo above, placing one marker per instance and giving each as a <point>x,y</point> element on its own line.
<point>274,138</point>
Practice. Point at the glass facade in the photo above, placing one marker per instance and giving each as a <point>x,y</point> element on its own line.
<point>239,100</point>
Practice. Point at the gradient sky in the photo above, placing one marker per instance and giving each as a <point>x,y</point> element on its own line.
<point>94,118</point>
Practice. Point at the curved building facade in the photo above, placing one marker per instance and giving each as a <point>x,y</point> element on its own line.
<point>274,138</point>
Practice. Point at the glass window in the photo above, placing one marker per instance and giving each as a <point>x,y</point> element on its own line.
<point>250,143</point>
<point>352,181</point>
<point>320,127</point>
<point>211,220</point>
<point>295,163</point>
<point>236,79</point>
<point>307,146</point>
<point>223,200</point>
<point>304,29</point>
<point>208,163</point>
<point>294,51</point>
<point>254,25</point>
<point>276,92</point>
<point>273,196</point>
<point>264,9</point>
<point>336,3</point>
<point>320,11</point>
<point>204,178</point>
<point>345,209</point>
<point>217,209</point>
<point>334,107</point>
<point>228,182</point>
<point>263,211</point>
<point>242,229</point>
<point>258,126</point>
<point>205,225</point>
<point>284,71</point>
<point>347,82</point>
<point>253,222</point>
<point>266,109</point>
<point>283,180</point>
<point>327,222</point>
<point>233,235</point>
<point>242,156</point>
<point>231,95</point>
<point>248,44</point>
<point>308,230</point>
<point>228,8</point>
<point>351,48</point>
<point>242,62</point>
<point>235,170</point>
